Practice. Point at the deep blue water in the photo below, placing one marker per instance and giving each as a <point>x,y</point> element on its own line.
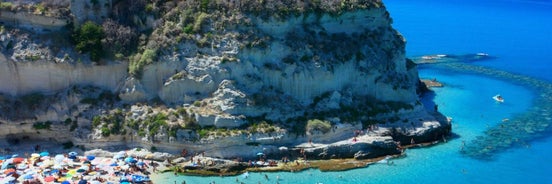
<point>519,33</point>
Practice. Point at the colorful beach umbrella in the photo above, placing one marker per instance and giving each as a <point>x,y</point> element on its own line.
<point>28,176</point>
<point>6,163</point>
<point>44,153</point>
<point>129,159</point>
<point>22,167</point>
<point>17,160</point>
<point>59,158</point>
<point>73,155</point>
<point>7,171</point>
<point>149,156</point>
<point>49,179</point>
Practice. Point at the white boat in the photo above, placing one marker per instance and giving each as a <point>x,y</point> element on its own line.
<point>482,54</point>
<point>498,98</point>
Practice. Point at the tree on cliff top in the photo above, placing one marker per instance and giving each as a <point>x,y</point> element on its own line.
<point>88,38</point>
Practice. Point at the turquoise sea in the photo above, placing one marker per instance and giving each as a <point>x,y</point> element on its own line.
<point>519,34</point>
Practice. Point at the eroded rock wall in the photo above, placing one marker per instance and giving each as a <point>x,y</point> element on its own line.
<point>19,78</point>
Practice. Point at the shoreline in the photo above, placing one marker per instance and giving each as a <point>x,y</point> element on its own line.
<point>327,165</point>
<point>154,166</point>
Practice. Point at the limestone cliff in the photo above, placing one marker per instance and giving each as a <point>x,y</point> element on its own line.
<point>239,74</point>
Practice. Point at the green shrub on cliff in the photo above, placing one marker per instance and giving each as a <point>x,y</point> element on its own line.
<point>138,63</point>
<point>88,38</point>
<point>319,125</point>
<point>33,99</point>
<point>154,123</point>
<point>6,5</point>
<point>42,125</point>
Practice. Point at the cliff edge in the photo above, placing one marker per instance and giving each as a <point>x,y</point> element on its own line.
<point>216,77</point>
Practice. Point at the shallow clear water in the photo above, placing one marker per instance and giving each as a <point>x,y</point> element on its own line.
<point>520,34</point>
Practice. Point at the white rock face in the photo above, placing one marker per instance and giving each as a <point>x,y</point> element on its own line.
<point>17,78</point>
<point>132,91</point>
<point>203,74</point>
<point>31,21</point>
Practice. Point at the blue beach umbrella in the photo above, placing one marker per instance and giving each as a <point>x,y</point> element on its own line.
<point>65,182</point>
<point>44,153</point>
<point>83,182</point>
<point>129,159</point>
<point>139,178</point>
<point>28,177</point>
<point>140,163</point>
<point>5,164</point>
<point>2,158</point>
<point>72,155</point>
<point>90,157</point>
<point>113,164</point>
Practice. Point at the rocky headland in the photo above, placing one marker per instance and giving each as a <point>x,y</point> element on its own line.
<point>227,79</point>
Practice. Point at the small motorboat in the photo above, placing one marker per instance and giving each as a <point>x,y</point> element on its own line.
<point>498,98</point>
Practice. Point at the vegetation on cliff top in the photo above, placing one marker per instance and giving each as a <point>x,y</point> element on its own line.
<point>142,30</point>
<point>203,22</point>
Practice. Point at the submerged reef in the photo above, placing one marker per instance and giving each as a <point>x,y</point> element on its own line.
<point>514,132</point>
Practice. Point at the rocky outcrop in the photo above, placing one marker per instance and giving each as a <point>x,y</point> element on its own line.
<point>234,84</point>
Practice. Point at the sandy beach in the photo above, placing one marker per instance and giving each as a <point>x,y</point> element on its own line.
<point>44,162</point>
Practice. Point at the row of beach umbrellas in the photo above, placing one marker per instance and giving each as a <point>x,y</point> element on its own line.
<point>12,167</point>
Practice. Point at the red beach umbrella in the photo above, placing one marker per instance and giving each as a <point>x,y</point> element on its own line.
<point>49,179</point>
<point>9,171</point>
<point>17,160</point>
